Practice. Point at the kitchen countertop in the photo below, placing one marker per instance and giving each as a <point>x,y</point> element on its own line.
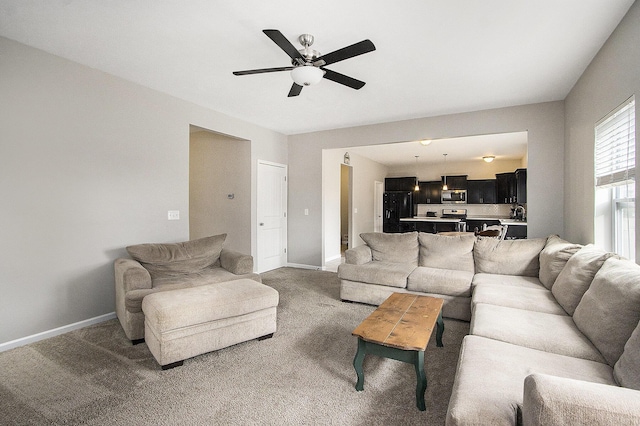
<point>486,218</point>
<point>511,222</point>
<point>429,219</point>
<point>504,221</point>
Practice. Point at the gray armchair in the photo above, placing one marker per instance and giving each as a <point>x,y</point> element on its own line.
<point>165,267</point>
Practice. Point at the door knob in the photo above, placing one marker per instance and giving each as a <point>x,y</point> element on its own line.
<point>261,223</point>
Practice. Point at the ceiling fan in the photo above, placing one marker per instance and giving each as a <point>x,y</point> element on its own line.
<point>308,65</point>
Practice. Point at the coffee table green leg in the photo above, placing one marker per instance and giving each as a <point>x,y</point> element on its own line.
<point>421,386</point>
<point>357,363</point>
<point>439,330</point>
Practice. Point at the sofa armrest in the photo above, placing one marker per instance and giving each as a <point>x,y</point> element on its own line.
<point>236,262</point>
<point>550,400</point>
<point>131,275</point>
<point>358,255</point>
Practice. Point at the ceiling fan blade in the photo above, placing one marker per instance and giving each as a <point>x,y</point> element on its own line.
<point>295,90</point>
<point>343,79</point>
<point>262,70</point>
<point>365,46</point>
<point>285,45</point>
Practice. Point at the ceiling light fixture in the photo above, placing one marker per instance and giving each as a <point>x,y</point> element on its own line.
<point>306,75</point>
<point>445,187</point>
<point>489,158</point>
<point>425,142</point>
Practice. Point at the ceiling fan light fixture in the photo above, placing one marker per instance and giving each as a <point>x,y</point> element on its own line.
<point>306,75</point>
<point>489,158</point>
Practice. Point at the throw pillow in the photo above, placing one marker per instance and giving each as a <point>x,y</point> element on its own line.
<point>610,310</point>
<point>394,248</point>
<point>508,257</point>
<point>178,258</point>
<point>554,257</point>
<point>627,369</point>
<point>447,252</point>
<point>575,278</point>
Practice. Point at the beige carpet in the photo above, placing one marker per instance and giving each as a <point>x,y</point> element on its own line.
<point>303,375</point>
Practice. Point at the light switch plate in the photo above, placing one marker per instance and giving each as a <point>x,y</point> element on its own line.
<point>174,215</point>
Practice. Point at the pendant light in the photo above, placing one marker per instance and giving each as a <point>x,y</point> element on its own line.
<point>445,187</point>
<point>417,187</point>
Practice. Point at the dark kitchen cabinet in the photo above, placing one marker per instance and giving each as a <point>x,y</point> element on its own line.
<point>429,193</point>
<point>434,227</point>
<point>506,188</point>
<point>481,191</point>
<point>516,232</point>
<point>521,186</point>
<point>399,184</point>
<point>456,182</point>
<point>511,187</point>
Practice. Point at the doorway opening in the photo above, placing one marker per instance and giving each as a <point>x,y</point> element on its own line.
<point>345,208</point>
<point>220,188</point>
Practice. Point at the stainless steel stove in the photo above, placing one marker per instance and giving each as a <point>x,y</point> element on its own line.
<point>454,213</point>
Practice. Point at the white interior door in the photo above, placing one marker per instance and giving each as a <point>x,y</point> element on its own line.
<point>377,208</point>
<point>272,216</point>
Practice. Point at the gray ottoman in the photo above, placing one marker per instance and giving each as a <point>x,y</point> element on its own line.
<point>181,324</point>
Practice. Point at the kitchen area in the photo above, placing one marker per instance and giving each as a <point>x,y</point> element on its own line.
<point>455,203</point>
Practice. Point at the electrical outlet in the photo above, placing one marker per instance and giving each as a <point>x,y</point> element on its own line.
<point>306,212</point>
<point>174,215</point>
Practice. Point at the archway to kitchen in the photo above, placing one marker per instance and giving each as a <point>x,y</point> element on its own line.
<point>377,162</point>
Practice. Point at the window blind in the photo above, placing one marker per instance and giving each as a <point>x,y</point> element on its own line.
<point>615,146</point>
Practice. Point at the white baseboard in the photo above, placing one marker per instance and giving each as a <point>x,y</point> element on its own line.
<point>55,332</point>
<point>302,266</point>
<point>331,259</point>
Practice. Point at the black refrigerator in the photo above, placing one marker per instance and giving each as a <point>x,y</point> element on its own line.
<point>396,205</point>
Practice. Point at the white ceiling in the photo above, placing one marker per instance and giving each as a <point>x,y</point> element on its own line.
<point>433,57</point>
<point>504,146</point>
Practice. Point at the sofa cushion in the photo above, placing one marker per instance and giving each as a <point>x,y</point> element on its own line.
<point>531,329</point>
<point>508,257</point>
<point>551,400</point>
<point>554,257</point>
<point>480,279</point>
<point>447,252</point>
<point>440,281</point>
<point>178,258</point>
<point>488,388</point>
<point>133,298</point>
<point>393,248</point>
<point>383,273</point>
<point>531,299</point>
<point>610,310</point>
<point>627,369</point>
<point>576,277</point>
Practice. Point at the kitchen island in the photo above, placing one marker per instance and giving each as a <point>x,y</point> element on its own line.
<point>431,224</point>
<point>517,229</point>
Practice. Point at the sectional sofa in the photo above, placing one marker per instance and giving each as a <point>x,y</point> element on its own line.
<point>554,334</point>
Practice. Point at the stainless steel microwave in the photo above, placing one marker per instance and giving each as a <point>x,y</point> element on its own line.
<point>454,196</point>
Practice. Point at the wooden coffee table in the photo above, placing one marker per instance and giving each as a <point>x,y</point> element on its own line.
<point>400,329</point>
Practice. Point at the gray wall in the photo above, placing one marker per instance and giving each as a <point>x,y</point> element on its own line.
<point>544,122</point>
<point>219,166</point>
<point>89,163</point>
<point>611,78</point>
